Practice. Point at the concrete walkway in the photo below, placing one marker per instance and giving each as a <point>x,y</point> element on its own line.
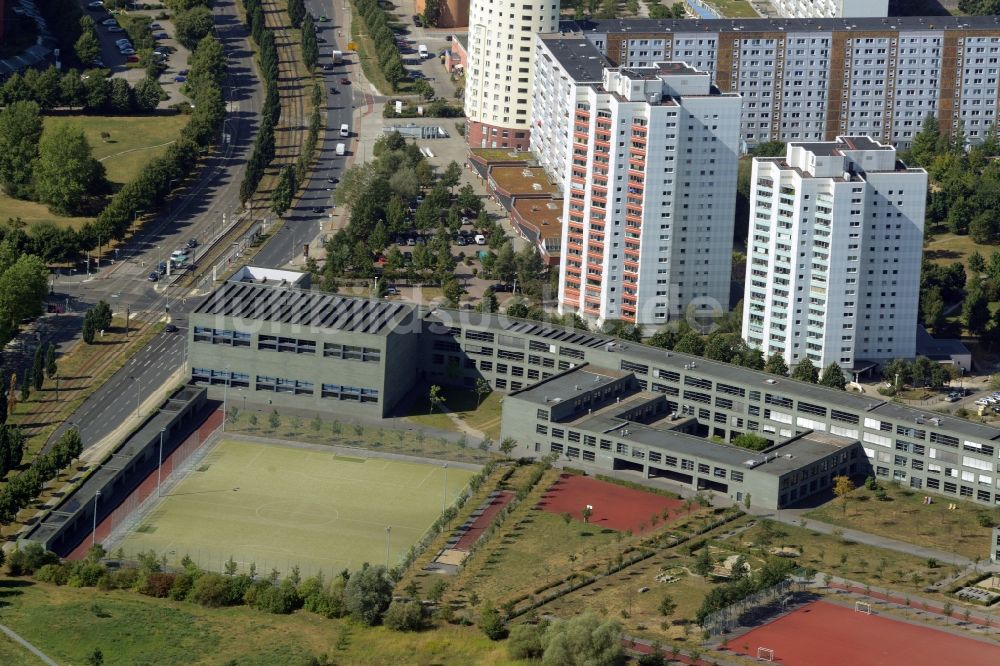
<point>27,646</point>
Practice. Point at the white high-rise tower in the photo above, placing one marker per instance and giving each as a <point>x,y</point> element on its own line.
<point>498,80</point>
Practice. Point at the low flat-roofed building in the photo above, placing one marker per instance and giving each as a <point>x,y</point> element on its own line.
<point>284,346</point>
<point>539,221</point>
<point>277,276</point>
<point>508,182</point>
<point>603,421</point>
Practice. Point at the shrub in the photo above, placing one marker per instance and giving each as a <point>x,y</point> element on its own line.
<point>368,594</point>
<point>25,561</point>
<point>404,616</point>
<point>158,585</point>
<point>525,642</point>
<point>492,624</point>
<point>181,588</point>
<point>210,590</point>
<point>86,574</point>
<point>56,574</point>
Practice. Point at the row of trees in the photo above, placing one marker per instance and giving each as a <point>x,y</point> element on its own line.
<point>310,45</point>
<point>22,488</point>
<point>292,177</point>
<point>193,25</point>
<point>263,149</point>
<point>11,447</point>
<point>377,24</point>
<point>148,190</point>
<point>774,571</point>
<point>89,91</point>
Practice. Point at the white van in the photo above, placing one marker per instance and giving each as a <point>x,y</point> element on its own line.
<point>480,239</point>
<point>345,130</point>
<point>422,50</point>
<point>341,149</point>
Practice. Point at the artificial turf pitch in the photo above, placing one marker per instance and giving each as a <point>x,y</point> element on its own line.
<point>279,506</point>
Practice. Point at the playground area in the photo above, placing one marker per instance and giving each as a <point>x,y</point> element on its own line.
<point>282,506</point>
<point>613,506</point>
<point>827,634</point>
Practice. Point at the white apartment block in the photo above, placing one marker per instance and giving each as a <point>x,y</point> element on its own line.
<point>835,246</point>
<point>831,8</point>
<point>498,79</point>
<point>649,172</point>
<point>815,80</point>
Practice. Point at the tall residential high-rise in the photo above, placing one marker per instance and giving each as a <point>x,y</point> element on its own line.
<point>650,177</point>
<point>835,246</point>
<point>811,79</point>
<point>831,8</point>
<point>498,80</point>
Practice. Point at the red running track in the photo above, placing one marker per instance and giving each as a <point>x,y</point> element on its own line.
<point>480,524</point>
<point>148,485</point>
<point>825,634</point>
<point>615,506</point>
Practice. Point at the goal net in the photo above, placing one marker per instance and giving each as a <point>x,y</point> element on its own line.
<point>863,607</point>
<point>765,654</point>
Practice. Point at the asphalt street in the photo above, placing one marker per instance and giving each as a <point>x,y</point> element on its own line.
<point>197,211</point>
<point>304,221</point>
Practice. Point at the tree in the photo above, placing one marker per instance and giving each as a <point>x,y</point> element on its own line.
<point>842,488</point>
<point>932,308</point>
<point>667,606</point>
<point>434,397</point>
<point>274,419</point>
<point>703,565</point>
<point>296,12</point>
<point>504,267</point>
<point>833,376</point>
<point>452,291</point>
<point>310,46</point>
<point>368,594</point>
<point>432,10</point>
<point>405,616</point>
<point>192,25</point>
<point>690,343</point>
<point>120,96</point>
<point>976,263</point>
<point>776,365</point>
<point>507,446</point>
<point>23,287</point>
<point>805,371</point>
<point>585,640</point>
<point>750,440</point>
<point>975,309</point>
<point>926,142</point>
<point>489,304</point>
<point>525,641</point>
<point>88,46</point>
<point>281,197</point>
<point>20,134</point>
<point>89,330</point>
<point>66,170</point>
<point>38,367</point>
<point>491,623</point>
<point>146,94</point>
<point>483,389</point>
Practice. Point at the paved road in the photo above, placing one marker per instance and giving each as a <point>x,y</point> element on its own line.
<point>303,222</point>
<point>195,212</point>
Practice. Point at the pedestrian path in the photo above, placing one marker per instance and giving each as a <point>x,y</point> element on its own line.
<point>28,646</point>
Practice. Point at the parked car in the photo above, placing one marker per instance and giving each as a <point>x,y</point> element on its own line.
<point>95,5</point>
<point>109,21</point>
<point>153,277</point>
<point>327,67</point>
<point>391,291</point>
<point>183,72</point>
<point>155,26</point>
<point>132,58</point>
<point>97,62</point>
<point>180,79</point>
<point>127,52</point>
<point>411,241</point>
<point>115,28</point>
<point>161,35</point>
<point>407,258</point>
<point>461,241</point>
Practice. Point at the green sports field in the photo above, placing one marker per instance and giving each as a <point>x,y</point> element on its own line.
<point>280,506</point>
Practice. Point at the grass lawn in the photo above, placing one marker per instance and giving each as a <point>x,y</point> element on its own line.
<point>280,506</point>
<point>906,518</point>
<point>734,8</point>
<point>135,140</point>
<point>947,248</point>
<point>336,433</point>
<point>69,623</point>
<point>484,417</point>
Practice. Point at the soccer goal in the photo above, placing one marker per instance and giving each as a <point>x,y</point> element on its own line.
<point>765,654</point>
<point>863,607</point>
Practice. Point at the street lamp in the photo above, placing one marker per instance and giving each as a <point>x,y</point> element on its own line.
<point>444,495</point>
<point>159,467</point>
<point>93,532</point>
<point>387,530</point>
<point>225,398</point>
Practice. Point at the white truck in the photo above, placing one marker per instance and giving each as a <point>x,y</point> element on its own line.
<point>338,57</point>
<point>341,148</point>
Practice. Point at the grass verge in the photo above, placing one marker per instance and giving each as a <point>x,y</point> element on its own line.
<point>904,516</point>
<point>464,404</point>
<point>135,630</point>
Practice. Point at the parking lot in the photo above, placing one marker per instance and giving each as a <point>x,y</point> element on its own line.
<point>124,64</point>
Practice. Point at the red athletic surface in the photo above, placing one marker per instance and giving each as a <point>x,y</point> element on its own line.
<point>148,485</point>
<point>482,522</point>
<point>825,634</point>
<point>616,507</point>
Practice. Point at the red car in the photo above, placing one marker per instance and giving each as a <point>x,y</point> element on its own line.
<point>345,81</point>
<point>132,58</point>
